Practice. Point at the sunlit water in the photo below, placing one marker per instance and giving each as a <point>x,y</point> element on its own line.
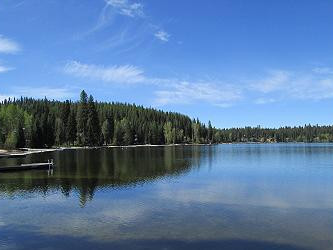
<point>245,196</point>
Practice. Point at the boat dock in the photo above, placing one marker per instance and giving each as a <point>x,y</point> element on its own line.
<point>31,166</point>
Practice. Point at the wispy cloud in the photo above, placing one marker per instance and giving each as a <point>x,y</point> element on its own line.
<point>125,7</point>
<point>162,35</point>
<point>111,74</point>
<point>310,87</point>
<point>170,90</point>
<point>8,46</point>
<point>276,86</point>
<point>323,70</point>
<point>262,100</point>
<point>276,80</point>
<point>110,11</point>
<point>4,69</point>
<point>139,25</point>
<point>186,93</point>
<point>281,85</point>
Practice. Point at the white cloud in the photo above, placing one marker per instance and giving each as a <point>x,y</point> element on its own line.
<point>112,74</point>
<point>139,29</point>
<point>278,85</point>
<point>170,91</point>
<point>162,35</point>
<point>185,93</point>
<point>4,69</point>
<point>108,14</point>
<point>323,70</point>
<point>124,7</point>
<point>310,87</point>
<point>174,91</point>
<point>316,85</point>
<point>8,46</point>
<point>275,81</point>
<point>136,29</point>
<point>262,100</point>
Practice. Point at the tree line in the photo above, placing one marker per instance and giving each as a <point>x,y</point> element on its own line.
<point>42,123</point>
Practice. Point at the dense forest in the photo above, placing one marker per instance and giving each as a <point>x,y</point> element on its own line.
<point>28,122</point>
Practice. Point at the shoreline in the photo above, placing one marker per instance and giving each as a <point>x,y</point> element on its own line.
<point>18,153</point>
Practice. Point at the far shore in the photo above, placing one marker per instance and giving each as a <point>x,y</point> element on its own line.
<point>22,152</point>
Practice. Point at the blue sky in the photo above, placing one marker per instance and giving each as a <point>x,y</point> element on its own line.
<point>234,62</point>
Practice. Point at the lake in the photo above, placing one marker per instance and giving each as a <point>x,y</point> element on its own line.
<point>239,196</point>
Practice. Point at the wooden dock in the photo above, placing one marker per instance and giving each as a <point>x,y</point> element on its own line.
<point>44,165</point>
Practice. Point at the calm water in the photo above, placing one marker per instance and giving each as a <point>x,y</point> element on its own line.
<point>194,197</point>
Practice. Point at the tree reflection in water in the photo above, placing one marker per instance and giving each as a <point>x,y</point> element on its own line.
<point>86,170</point>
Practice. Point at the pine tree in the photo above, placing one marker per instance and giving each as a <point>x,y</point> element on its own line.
<point>71,128</point>
<point>65,112</point>
<point>33,123</point>
<point>59,132</point>
<point>20,141</point>
<point>128,136</point>
<point>50,140</point>
<point>210,132</point>
<point>82,117</point>
<point>36,134</point>
<point>93,127</point>
<point>155,134</point>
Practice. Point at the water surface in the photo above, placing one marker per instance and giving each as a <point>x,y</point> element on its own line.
<point>246,196</point>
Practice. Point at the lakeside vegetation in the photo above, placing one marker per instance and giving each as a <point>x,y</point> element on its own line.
<point>35,123</point>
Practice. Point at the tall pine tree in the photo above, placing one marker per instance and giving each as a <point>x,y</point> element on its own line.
<point>82,118</point>
<point>93,128</point>
<point>71,128</point>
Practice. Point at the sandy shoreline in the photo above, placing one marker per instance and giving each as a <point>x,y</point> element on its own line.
<point>27,151</point>
<point>132,146</point>
<point>17,153</point>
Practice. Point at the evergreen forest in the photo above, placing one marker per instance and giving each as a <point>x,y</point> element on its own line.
<point>42,123</point>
